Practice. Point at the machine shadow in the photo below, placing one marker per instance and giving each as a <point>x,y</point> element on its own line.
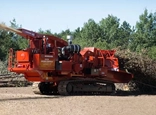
<point>120,94</point>
<point>57,96</point>
<point>32,98</point>
<point>132,93</point>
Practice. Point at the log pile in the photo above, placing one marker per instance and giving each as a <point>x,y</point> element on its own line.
<point>142,67</point>
<point>13,80</point>
<point>10,79</point>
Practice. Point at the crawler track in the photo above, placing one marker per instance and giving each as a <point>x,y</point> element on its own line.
<point>78,87</point>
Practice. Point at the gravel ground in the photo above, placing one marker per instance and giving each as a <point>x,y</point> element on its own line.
<point>22,101</point>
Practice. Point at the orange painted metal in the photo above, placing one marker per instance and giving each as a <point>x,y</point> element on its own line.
<point>22,56</point>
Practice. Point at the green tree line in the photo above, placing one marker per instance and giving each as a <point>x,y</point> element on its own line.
<point>108,33</point>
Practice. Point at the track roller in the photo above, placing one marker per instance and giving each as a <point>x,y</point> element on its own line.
<point>65,88</point>
<point>47,88</point>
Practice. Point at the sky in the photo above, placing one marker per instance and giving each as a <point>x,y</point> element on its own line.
<point>58,15</point>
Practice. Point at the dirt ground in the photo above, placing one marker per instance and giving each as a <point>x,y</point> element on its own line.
<point>22,101</point>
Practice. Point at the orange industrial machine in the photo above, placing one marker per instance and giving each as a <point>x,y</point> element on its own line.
<point>64,68</point>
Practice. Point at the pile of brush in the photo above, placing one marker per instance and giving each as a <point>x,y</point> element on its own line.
<point>142,67</point>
